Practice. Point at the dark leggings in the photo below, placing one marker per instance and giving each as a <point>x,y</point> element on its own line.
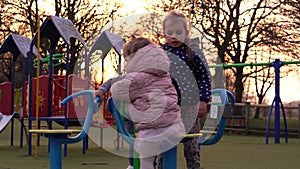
<point>191,149</point>
<point>130,129</point>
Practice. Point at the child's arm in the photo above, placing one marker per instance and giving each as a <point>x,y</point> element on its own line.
<point>105,87</point>
<point>127,89</point>
<point>203,79</point>
<point>120,89</point>
<point>205,83</point>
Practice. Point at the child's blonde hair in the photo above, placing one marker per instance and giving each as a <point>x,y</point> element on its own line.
<point>134,45</point>
<point>176,17</point>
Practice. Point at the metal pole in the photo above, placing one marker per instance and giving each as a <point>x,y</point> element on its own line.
<point>249,64</point>
<point>277,64</point>
<point>247,114</point>
<point>277,101</point>
<point>298,120</point>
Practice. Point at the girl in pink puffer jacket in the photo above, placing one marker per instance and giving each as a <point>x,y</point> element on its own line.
<point>150,98</point>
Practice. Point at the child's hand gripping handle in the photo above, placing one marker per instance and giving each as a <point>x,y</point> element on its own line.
<point>98,100</point>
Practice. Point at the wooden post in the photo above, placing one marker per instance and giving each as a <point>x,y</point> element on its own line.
<point>247,114</point>
<point>298,120</point>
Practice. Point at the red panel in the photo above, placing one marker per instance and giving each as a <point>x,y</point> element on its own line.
<point>25,89</point>
<point>59,93</point>
<point>43,96</point>
<point>77,107</point>
<point>5,98</point>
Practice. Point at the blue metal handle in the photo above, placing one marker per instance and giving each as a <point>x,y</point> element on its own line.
<point>98,100</point>
<point>83,92</point>
<point>91,110</point>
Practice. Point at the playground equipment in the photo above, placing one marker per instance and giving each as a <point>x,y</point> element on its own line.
<point>18,46</point>
<point>6,114</point>
<point>58,57</point>
<point>4,120</point>
<point>42,103</point>
<point>220,101</point>
<point>59,137</point>
<point>52,29</point>
<point>105,43</point>
<point>35,103</point>
<point>6,106</point>
<point>276,103</point>
<point>102,46</point>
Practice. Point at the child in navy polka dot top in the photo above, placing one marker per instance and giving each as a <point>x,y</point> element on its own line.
<point>198,67</point>
<point>191,78</point>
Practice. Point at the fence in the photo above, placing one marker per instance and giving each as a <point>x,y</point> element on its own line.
<point>245,117</point>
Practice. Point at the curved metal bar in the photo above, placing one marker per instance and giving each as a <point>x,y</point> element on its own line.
<point>119,122</point>
<point>169,157</point>
<point>91,110</point>
<point>221,127</point>
<point>213,140</point>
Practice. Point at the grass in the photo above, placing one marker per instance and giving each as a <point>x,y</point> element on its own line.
<point>248,152</point>
<point>262,123</point>
<point>232,152</point>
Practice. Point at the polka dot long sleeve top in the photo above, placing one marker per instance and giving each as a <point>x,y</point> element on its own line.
<point>199,69</point>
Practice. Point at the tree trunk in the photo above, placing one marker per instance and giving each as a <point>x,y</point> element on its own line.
<point>239,86</point>
<point>219,78</point>
<point>239,89</point>
<point>256,115</point>
<point>257,111</point>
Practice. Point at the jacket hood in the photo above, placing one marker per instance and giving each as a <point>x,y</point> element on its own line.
<point>150,59</point>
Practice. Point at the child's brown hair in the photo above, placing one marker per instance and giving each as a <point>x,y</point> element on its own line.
<point>134,45</point>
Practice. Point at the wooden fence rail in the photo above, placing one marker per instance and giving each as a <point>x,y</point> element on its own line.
<point>247,107</point>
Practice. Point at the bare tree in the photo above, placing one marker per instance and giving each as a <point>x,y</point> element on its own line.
<point>19,18</point>
<point>5,67</point>
<point>88,18</point>
<point>264,79</point>
<point>231,26</point>
<point>285,34</point>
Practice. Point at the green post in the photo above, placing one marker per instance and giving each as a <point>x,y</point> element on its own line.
<point>136,160</point>
<point>224,66</point>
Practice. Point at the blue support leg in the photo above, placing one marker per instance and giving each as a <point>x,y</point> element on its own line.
<point>55,154</point>
<point>170,159</point>
<point>268,122</point>
<point>284,122</point>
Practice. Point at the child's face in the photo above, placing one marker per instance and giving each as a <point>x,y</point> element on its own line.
<point>175,33</point>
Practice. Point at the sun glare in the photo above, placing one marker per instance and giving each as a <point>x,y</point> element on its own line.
<point>131,7</point>
<point>289,89</point>
<point>134,6</point>
<point>48,4</point>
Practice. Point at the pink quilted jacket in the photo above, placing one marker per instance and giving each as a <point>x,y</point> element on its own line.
<point>147,90</point>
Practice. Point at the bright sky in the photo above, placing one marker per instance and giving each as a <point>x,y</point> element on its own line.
<point>289,89</point>
<point>289,86</point>
<point>49,4</point>
<point>130,6</point>
<point>138,6</point>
